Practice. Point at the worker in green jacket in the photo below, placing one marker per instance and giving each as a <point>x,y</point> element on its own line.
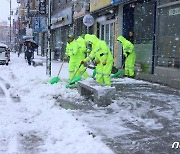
<point>103,59</point>
<point>82,54</point>
<point>72,50</point>
<point>130,55</point>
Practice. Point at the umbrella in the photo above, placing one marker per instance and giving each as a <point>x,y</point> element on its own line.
<point>33,43</point>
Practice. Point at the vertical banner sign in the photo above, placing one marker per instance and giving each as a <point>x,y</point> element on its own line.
<point>36,26</point>
<point>42,7</point>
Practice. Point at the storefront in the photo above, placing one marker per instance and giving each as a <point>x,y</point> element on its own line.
<point>105,22</point>
<point>80,9</point>
<point>168,38</point>
<point>138,17</point>
<point>61,27</point>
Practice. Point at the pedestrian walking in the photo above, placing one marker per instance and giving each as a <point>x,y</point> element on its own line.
<point>29,52</point>
<point>130,55</point>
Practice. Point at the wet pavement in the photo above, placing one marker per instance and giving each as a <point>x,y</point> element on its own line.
<point>143,119</point>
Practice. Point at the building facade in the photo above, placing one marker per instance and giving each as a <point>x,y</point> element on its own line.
<point>61,21</point>
<point>155,24</point>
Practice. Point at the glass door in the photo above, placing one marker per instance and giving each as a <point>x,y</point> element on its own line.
<point>106,33</point>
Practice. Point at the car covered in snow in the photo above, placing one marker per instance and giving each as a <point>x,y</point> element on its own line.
<point>4,54</point>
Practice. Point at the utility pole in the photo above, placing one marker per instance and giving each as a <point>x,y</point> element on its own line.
<point>48,55</point>
<point>10,26</point>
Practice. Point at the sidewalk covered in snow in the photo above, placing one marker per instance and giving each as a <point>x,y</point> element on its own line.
<point>37,117</point>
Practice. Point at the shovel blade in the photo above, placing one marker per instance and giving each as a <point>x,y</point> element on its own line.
<point>54,80</point>
<point>76,79</point>
<point>94,73</point>
<point>117,74</point>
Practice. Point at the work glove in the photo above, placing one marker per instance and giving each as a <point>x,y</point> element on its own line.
<point>82,62</point>
<point>96,62</point>
<point>88,50</point>
<point>104,63</point>
<point>65,55</point>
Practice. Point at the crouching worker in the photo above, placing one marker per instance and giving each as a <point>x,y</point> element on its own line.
<point>82,54</point>
<point>103,58</point>
<point>130,55</point>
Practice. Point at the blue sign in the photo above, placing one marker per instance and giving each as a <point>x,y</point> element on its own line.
<point>39,24</point>
<point>43,24</point>
<point>36,24</point>
<point>115,2</point>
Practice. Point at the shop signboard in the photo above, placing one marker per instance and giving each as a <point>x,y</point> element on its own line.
<point>174,11</point>
<point>61,18</point>
<point>39,24</point>
<point>36,24</point>
<point>42,7</point>
<point>43,24</point>
<point>98,4</point>
<point>115,2</point>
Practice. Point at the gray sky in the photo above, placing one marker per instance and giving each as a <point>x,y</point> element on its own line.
<point>5,7</point>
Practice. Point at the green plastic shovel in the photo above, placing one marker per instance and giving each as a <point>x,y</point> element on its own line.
<point>76,79</point>
<point>117,74</point>
<point>56,79</point>
<point>120,72</point>
<point>94,73</point>
<point>70,83</point>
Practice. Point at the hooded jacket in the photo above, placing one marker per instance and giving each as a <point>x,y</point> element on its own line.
<point>81,47</point>
<point>72,51</point>
<point>100,50</point>
<point>128,47</point>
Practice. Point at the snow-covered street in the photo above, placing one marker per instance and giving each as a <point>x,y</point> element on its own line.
<point>36,117</point>
<point>30,119</point>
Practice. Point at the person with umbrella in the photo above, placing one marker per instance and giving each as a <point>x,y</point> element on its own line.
<point>29,52</point>
<point>31,45</point>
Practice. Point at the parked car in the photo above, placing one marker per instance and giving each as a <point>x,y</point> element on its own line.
<point>4,54</point>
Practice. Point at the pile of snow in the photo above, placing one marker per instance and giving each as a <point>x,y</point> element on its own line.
<point>34,123</point>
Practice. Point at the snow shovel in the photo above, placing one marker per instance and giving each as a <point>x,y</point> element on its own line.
<point>94,73</point>
<point>70,83</point>
<point>78,78</point>
<point>117,74</point>
<point>56,79</point>
<point>120,72</point>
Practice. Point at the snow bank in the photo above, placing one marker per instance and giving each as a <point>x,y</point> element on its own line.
<point>35,123</point>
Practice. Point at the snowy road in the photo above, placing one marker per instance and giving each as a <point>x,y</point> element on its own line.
<point>30,119</point>
<point>36,117</point>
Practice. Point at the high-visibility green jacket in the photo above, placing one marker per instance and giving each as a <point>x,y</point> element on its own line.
<point>72,51</point>
<point>100,50</point>
<point>82,47</point>
<point>128,47</point>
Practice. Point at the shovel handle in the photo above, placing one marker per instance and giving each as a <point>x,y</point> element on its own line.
<point>75,72</point>
<point>61,67</point>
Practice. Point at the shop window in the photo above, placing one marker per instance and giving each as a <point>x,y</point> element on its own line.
<point>166,1</point>
<point>143,23</point>
<point>168,40</point>
<point>106,33</point>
